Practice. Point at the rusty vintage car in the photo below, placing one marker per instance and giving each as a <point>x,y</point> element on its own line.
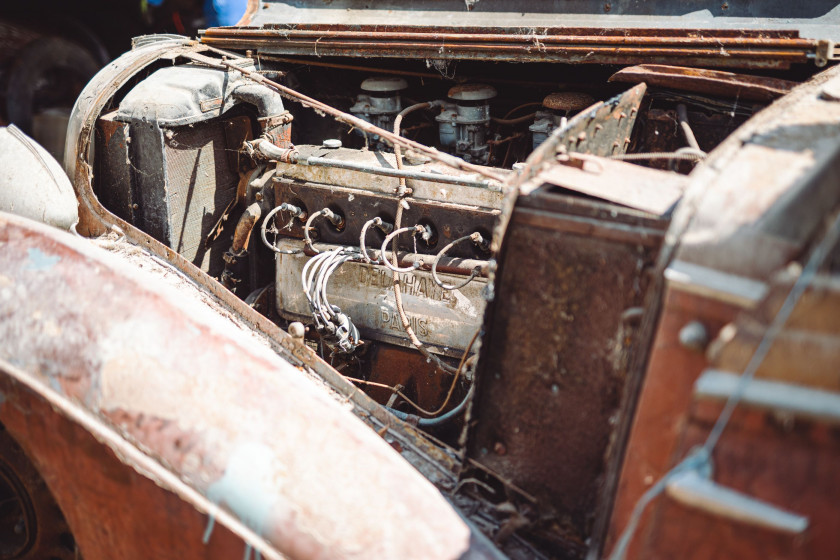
<point>472,279</point>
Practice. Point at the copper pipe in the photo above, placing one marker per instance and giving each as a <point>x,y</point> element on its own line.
<point>592,39</point>
<point>361,47</point>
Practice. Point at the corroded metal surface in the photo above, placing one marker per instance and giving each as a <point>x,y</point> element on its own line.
<point>751,208</point>
<point>792,465</point>
<point>706,47</point>
<point>394,365</point>
<point>357,205</point>
<point>114,510</point>
<point>599,270</point>
<point>707,82</point>
<point>426,190</point>
<point>239,424</point>
<point>568,101</point>
<point>767,181</point>
<point>436,462</point>
<point>772,455</point>
<point>658,131</point>
<point>664,401</point>
<point>646,190</point>
<point>811,336</point>
<point>552,378</point>
<point>603,130</point>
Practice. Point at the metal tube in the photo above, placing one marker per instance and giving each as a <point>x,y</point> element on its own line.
<point>239,246</point>
<point>593,38</point>
<point>406,174</point>
<point>242,233</point>
<point>273,152</point>
<point>682,117</point>
<point>446,265</point>
<point>476,237</point>
<point>402,190</point>
<point>425,422</point>
<point>765,56</point>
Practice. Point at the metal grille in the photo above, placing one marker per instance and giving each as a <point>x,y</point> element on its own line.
<point>200,184</point>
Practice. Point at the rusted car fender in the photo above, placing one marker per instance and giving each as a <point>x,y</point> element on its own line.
<point>144,410</point>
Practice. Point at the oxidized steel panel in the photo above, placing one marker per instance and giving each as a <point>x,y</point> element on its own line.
<point>551,380</point>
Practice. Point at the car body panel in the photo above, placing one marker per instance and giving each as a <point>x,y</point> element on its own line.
<point>205,397</point>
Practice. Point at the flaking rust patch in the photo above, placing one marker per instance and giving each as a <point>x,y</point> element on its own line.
<point>136,382</point>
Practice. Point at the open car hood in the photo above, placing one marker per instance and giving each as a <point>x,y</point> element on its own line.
<point>700,33</point>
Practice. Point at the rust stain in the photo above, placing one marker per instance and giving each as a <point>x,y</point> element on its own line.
<point>788,464</point>
<point>552,379</point>
<point>709,82</point>
<point>393,365</point>
<point>568,101</point>
<point>93,486</point>
<point>205,398</point>
<point>663,404</point>
<point>713,47</point>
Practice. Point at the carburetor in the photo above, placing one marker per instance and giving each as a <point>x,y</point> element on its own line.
<point>379,104</point>
<point>559,106</point>
<point>464,122</point>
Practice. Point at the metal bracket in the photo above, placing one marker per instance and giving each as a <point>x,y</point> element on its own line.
<point>695,490</point>
<point>825,53</point>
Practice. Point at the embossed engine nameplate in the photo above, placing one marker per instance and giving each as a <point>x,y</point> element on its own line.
<point>445,320</point>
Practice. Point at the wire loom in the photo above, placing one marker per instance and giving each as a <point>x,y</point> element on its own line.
<point>338,330</point>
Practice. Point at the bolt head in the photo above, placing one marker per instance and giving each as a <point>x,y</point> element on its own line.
<point>694,336</point>
<point>297,330</point>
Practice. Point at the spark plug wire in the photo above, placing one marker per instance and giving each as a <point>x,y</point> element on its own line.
<point>478,240</point>
<point>385,227</point>
<point>334,218</point>
<point>295,211</point>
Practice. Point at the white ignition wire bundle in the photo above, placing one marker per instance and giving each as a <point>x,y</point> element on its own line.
<point>336,327</point>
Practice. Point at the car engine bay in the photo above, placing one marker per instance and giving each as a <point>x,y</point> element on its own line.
<point>366,209</point>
